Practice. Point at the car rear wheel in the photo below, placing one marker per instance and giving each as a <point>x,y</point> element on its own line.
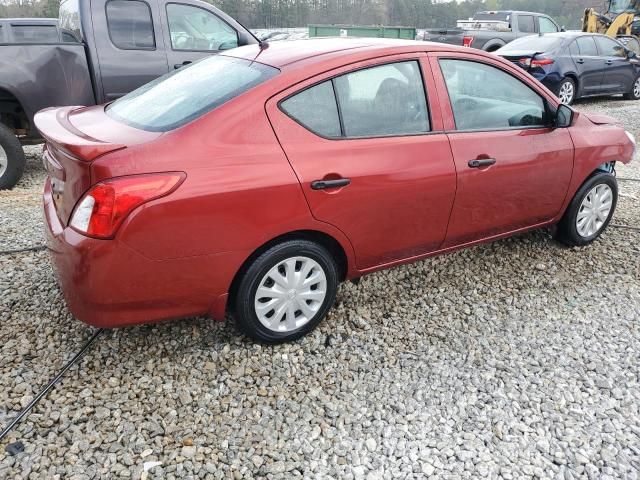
<point>11,158</point>
<point>634,94</point>
<point>567,91</point>
<point>590,211</point>
<point>286,292</point>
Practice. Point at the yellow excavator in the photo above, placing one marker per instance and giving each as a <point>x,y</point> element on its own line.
<point>621,21</point>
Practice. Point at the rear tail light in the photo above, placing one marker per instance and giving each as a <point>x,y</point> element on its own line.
<point>105,206</point>
<point>467,41</point>
<point>535,62</point>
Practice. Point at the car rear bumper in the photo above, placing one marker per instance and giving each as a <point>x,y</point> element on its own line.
<point>108,284</point>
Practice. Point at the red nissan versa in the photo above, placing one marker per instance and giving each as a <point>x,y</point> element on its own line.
<point>255,181</point>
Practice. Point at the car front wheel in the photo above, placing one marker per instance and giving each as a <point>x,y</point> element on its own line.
<point>567,91</point>
<point>590,211</point>
<point>12,159</point>
<point>286,291</point>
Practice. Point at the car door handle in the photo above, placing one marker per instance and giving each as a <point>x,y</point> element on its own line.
<point>609,62</point>
<point>481,162</point>
<point>324,184</point>
<point>180,65</point>
<point>580,61</point>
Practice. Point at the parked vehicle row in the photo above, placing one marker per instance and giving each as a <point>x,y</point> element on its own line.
<point>258,190</point>
<point>577,65</point>
<point>105,49</point>
<point>492,30</point>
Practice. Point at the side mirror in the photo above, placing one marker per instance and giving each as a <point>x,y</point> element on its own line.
<point>563,29</point>
<point>631,54</point>
<point>564,116</point>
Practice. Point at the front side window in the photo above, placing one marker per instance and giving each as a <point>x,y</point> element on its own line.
<point>35,33</point>
<point>526,24</point>
<point>547,26</point>
<point>69,18</point>
<point>587,47</point>
<point>188,93</point>
<point>130,25</point>
<point>193,28</point>
<point>610,48</point>
<point>486,98</point>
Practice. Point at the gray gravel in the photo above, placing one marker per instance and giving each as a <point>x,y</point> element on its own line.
<point>517,359</point>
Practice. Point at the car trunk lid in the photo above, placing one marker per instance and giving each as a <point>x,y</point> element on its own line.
<point>75,137</point>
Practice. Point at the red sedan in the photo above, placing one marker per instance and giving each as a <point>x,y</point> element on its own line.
<point>255,181</point>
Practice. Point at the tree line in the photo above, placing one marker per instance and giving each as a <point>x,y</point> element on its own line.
<point>300,13</point>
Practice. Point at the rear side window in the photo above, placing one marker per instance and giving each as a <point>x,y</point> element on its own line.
<point>526,24</point>
<point>185,94</point>
<point>387,100</point>
<point>610,48</point>
<point>130,24</point>
<point>486,98</point>
<point>574,49</point>
<point>316,109</point>
<point>35,33</point>
<point>587,46</point>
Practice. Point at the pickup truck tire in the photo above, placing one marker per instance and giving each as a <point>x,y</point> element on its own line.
<point>12,159</point>
<point>634,94</point>
<point>595,202</point>
<point>567,91</point>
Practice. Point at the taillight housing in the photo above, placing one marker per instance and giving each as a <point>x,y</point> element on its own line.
<point>107,204</point>
<point>535,62</point>
<point>467,41</point>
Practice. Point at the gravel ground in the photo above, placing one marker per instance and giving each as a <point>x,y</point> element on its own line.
<point>517,359</point>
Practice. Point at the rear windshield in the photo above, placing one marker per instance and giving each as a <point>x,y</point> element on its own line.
<point>185,94</point>
<point>35,33</point>
<point>534,44</point>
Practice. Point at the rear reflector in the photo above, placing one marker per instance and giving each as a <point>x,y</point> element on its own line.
<point>467,41</point>
<point>106,205</point>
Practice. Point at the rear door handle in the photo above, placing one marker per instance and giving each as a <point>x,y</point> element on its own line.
<point>324,184</point>
<point>180,65</point>
<point>609,62</point>
<point>580,61</point>
<point>481,162</point>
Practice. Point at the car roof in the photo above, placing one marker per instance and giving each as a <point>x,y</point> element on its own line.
<point>282,54</point>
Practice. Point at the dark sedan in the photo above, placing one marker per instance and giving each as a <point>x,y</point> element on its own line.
<point>575,65</point>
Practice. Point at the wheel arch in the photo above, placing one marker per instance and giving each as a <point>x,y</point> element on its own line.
<point>493,45</point>
<point>12,112</point>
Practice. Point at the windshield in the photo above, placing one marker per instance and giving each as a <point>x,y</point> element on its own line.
<point>185,94</point>
<point>69,20</point>
<point>621,6</point>
<point>534,43</point>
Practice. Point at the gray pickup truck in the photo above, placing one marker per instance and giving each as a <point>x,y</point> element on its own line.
<point>99,51</point>
<point>489,31</point>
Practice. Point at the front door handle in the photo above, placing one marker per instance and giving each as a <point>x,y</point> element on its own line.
<point>482,162</point>
<point>580,61</point>
<point>180,65</point>
<point>324,184</point>
<point>609,62</point>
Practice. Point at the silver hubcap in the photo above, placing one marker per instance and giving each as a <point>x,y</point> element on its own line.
<point>594,210</point>
<point>636,88</point>
<point>4,161</point>
<point>566,93</point>
<point>290,294</point>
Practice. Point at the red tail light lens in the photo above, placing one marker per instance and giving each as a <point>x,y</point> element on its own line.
<point>467,41</point>
<point>538,62</point>
<point>105,206</point>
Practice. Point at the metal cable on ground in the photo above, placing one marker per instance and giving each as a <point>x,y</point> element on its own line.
<point>51,384</point>
<point>628,179</point>
<point>626,227</point>
<point>26,249</point>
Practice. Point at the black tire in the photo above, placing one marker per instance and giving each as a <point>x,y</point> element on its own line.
<point>567,231</point>
<point>634,94</point>
<point>12,149</point>
<point>244,296</point>
<point>568,83</point>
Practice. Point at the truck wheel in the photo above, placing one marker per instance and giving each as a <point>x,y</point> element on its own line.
<point>567,91</point>
<point>11,158</point>
<point>634,94</point>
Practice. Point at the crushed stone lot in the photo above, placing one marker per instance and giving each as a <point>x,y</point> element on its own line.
<point>515,359</point>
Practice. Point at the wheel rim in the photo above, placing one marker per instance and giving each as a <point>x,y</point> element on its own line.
<point>566,92</point>
<point>290,294</point>
<point>636,88</point>
<point>594,210</point>
<point>4,161</point>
